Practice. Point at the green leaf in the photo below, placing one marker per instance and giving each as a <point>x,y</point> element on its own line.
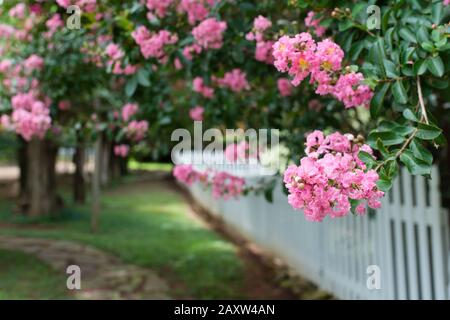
<point>380,147</point>
<point>142,77</point>
<point>407,35</point>
<point>428,132</point>
<point>131,86</point>
<point>399,92</point>
<point>367,159</point>
<point>420,67</point>
<point>377,100</point>
<point>414,165</point>
<point>420,152</point>
<point>384,184</point>
<point>391,69</point>
<point>436,66</point>
<point>428,46</point>
<point>422,35</point>
<point>388,138</point>
<point>409,115</point>
<point>436,11</point>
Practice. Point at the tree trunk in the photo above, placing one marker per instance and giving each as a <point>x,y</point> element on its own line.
<point>22,162</point>
<point>79,186</point>
<point>96,183</point>
<point>105,154</point>
<point>39,192</point>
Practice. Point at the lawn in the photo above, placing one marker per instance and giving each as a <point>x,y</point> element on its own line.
<point>147,224</point>
<point>24,277</point>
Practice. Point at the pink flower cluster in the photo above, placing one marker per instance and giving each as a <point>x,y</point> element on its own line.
<point>136,130</point>
<point>152,45</point>
<point>159,7</point>
<point>196,113</point>
<point>197,10</point>
<point>224,185</point>
<point>18,11</point>
<point>263,50</point>
<point>284,87</point>
<point>446,2</point>
<point>121,150</point>
<point>189,50</point>
<point>209,33</point>
<point>235,80</point>
<point>313,23</point>
<point>199,86</point>
<point>33,62</point>
<point>301,57</point>
<point>129,110</point>
<point>330,177</point>
<point>85,5</point>
<point>53,24</point>
<point>30,117</point>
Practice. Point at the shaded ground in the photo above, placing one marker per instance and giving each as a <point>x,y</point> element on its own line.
<point>148,224</point>
<point>103,276</point>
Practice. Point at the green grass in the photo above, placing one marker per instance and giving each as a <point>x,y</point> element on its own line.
<point>147,225</point>
<point>24,277</point>
<point>149,166</point>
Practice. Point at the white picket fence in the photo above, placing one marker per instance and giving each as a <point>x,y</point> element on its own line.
<point>408,239</point>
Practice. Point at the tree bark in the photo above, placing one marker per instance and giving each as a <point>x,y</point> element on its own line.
<point>39,192</point>
<point>105,151</point>
<point>79,185</point>
<point>96,183</point>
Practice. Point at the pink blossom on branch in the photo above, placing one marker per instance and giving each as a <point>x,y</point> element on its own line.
<point>209,33</point>
<point>284,87</point>
<point>153,45</point>
<point>330,177</point>
<point>235,80</point>
<point>129,110</point>
<point>199,87</point>
<point>121,150</point>
<point>312,22</point>
<point>197,10</point>
<point>301,57</point>
<point>136,130</point>
<point>196,113</point>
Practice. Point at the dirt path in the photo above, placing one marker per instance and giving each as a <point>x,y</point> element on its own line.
<point>102,276</point>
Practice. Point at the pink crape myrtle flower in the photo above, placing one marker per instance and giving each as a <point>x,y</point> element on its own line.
<point>189,50</point>
<point>197,10</point>
<point>136,130</point>
<point>196,113</point>
<point>152,45</point>
<point>446,2</point>
<point>185,174</point>
<point>18,11</point>
<point>209,33</point>
<point>129,110</point>
<point>226,186</point>
<point>199,87</point>
<point>301,57</point>
<point>114,52</point>
<point>261,23</point>
<point>33,62</point>
<point>284,87</point>
<point>313,23</point>
<point>330,177</point>
<point>159,7</point>
<point>30,116</point>
<point>121,150</point>
<point>351,91</point>
<point>235,80</point>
